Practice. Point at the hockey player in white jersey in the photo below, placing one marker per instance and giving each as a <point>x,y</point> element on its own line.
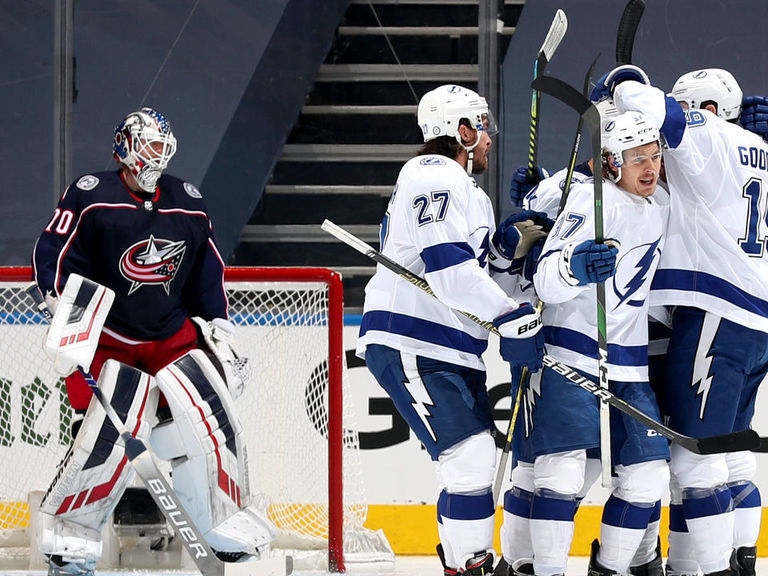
<point>561,420</point>
<point>440,225</point>
<point>515,531</point>
<point>716,274</point>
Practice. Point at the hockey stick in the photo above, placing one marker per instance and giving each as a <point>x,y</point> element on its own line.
<point>576,141</point>
<point>523,381</point>
<point>734,442</point>
<point>551,42</point>
<point>158,487</point>
<point>625,35</point>
<point>588,112</point>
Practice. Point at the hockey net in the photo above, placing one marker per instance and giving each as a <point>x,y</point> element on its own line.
<point>299,421</point>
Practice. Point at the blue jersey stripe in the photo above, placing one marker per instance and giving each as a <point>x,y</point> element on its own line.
<point>693,281</point>
<point>673,127</point>
<point>580,343</point>
<point>441,256</point>
<point>423,330</point>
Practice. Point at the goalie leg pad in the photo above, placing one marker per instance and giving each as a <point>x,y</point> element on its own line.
<point>205,443</point>
<point>95,472</point>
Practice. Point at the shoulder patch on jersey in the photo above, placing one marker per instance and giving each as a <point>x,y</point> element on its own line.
<point>192,191</point>
<point>694,117</point>
<point>431,161</point>
<point>88,182</point>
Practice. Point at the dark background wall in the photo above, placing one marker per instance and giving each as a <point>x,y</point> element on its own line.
<point>230,75</point>
<point>674,37</point>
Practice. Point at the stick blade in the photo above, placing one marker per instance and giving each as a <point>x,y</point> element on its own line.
<point>625,35</point>
<point>555,35</point>
<point>734,442</point>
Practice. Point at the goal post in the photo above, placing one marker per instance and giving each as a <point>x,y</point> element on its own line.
<point>300,428</point>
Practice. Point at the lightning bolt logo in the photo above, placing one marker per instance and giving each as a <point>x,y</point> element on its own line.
<point>422,401</point>
<point>642,269</point>
<point>701,379</point>
<point>529,400</point>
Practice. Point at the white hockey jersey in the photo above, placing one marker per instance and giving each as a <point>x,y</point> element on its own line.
<point>438,225</point>
<point>716,257</point>
<point>570,315</point>
<point>545,197</point>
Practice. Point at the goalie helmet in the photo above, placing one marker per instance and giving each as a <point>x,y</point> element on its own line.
<point>144,143</point>
<point>441,110</point>
<point>710,84</point>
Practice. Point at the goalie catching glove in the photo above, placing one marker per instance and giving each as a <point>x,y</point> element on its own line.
<point>217,335</point>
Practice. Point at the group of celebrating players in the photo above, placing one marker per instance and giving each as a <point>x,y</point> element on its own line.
<point>683,260</point>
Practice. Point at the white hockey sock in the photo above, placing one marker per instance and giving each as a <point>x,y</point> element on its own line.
<point>515,533</point>
<point>621,532</point>
<point>450,558</point>
<point>710,523</point>
<point>468,523</point>
<point>551,531</point>
<point>681,555</point>
<point>648,547</point>
<point>748,513</point>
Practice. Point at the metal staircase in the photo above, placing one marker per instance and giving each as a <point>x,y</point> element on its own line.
<point>358,127</point>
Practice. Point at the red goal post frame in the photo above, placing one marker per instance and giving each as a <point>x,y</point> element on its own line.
<point>331,279</point>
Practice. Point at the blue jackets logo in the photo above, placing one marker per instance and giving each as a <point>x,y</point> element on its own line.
<point>151,262</point>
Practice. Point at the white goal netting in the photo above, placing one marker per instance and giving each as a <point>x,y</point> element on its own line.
<point>287,329</point>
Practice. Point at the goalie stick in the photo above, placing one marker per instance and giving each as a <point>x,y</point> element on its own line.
<point>163,494</point>
<point>551,42</point>
<point>625,35</point>
<point>733,442</point>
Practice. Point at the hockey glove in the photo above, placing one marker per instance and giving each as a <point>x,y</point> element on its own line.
<point>532,259</point>
<point>218,335</point>
<point>522,183</point>
<point>515,236</point>
<point>587,263</point>
<point>754,115</point>
<point>522,342</point>
<point>607,83</point>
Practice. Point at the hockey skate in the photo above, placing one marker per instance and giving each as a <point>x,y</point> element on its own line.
<point>743,560</point>
<point>58,566</point>
<point>521,567</point>
<point>480,564</point>
<point>594,567</point>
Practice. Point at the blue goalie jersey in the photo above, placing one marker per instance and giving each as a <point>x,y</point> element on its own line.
<point>157,252</point>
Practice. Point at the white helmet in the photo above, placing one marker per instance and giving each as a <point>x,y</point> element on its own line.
<point>713,84</point>
<point>624,132</point>
<point>441,110</point>
<point>145,144</point>
<point>607,109</point>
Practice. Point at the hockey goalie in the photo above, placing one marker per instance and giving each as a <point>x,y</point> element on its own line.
<point>144,237</point>
<point>195,428</point>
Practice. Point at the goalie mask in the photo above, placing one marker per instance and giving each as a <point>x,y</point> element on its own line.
<point>623,132</point>
<point>710,85</point>
<point>144,143</point>
<point>442,110</point>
